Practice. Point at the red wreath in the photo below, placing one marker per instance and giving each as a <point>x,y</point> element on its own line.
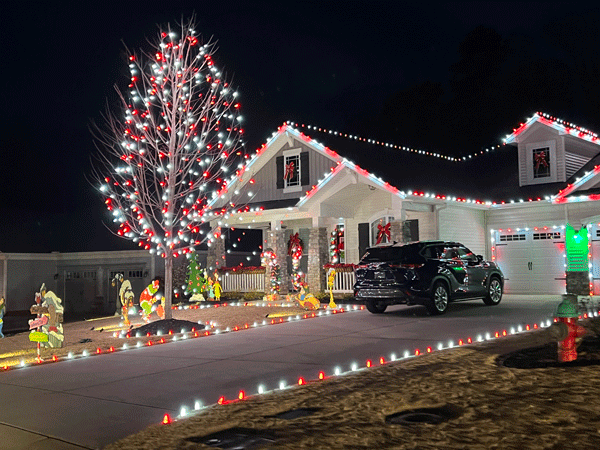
<point>295,246</point>
<point>289,171</point>
<point>540,158</point>
<point>383,231</point>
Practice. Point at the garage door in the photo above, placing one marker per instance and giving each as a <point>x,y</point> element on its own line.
<point>533,262</point>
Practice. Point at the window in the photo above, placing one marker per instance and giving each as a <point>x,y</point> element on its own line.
<point>291,174</point>
<point>512,237</point>
<point>541,162</point>
<point>292,170</point>
<point>380,230</point>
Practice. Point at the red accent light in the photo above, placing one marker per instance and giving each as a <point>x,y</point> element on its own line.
<point>166,419</point>
<point>417,352</point>
<point>301,381</point>
<point>429,349</point>
<point>321,375</point>
<point>381,360</point>
<point>242,395</point>
<point>221,400</point>
<point>460,342</point>
<point>98,351</point>
<point>369,363</point>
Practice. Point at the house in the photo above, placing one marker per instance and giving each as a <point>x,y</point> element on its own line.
<point>529,203</point>
<point>513,203</point>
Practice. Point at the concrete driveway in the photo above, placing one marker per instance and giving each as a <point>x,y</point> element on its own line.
<point>90,402</point>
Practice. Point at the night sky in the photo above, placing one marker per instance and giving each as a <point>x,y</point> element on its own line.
<point>450,78</point>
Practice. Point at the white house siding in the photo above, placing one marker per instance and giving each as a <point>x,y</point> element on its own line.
<point>463,225</point>
<point>426,223</point>
<point>366,208</point>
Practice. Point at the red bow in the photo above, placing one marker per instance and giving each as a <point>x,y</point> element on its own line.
<point>289,171</point>
<point>540,158</point>
<point>383,231</point>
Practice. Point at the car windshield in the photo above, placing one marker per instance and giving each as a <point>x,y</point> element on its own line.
<point>407,254</point>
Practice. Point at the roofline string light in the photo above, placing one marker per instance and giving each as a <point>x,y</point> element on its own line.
<point>394,146</point>
<point>558,124</point>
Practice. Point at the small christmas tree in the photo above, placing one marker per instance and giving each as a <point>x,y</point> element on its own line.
<point>196,283</point>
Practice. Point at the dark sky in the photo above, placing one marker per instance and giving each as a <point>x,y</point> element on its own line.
<point>452,77</point>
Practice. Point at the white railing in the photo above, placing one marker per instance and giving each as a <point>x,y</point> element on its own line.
<point>255,282</point>
<point>242,282</point>
<point>344,282</point>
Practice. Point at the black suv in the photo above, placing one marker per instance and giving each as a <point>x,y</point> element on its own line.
<point>429,273</point>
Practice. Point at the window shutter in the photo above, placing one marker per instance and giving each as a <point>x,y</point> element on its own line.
<point>305,170</point>
<point>363,238</point>
<point>279,163</point>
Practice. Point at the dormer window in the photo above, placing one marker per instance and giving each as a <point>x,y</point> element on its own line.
<point>540,162</point>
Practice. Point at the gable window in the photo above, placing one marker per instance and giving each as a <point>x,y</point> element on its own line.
<point>291,173</point>
<point>292,170</point>
<point>541,162</point>
<point>380,230</point>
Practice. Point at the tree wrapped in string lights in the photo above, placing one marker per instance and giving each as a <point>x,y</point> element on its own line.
<point>168,153</point>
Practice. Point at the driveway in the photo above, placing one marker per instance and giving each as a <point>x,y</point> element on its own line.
<point>90,402</point>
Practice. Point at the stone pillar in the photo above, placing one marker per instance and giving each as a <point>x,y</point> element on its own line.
<point>578,283</point>
<point>215,257</point>
<point>276,240</point>
<point>318,256</point>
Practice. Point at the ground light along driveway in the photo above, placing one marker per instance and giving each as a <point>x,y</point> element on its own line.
<point>95,401</point>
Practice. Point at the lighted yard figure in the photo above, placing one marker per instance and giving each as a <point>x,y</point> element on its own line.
<point>126,296</point>
<point>330,282</point>
<point>217,287</point>
<point>306,300</point>
<point>148,299</point>
<point>2,311</point>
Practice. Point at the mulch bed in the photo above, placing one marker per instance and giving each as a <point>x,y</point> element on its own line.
<point>588,354</point>
<point>162,327</point>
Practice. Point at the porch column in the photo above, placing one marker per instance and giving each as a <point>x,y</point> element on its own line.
<point>318,256</point>
<point>276,241</point>
<point>215,257</point>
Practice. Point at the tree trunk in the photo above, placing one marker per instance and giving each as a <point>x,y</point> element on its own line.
<point>168,285</point>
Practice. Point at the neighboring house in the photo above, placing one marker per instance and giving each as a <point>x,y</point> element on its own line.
<point>298,185</point>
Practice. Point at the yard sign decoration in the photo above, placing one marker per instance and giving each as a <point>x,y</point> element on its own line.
<point>330,283</point>
<point>48,324</point>
<point>148,301</point>
<point>295,250</point>
<point>126,296</point>
<point>196,283</point>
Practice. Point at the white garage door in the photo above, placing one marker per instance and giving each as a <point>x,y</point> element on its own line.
<point>533,262</point>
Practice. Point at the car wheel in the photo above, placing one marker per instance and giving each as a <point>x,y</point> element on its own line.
<point>438,303</point>
<point>376,306</point>
<point>494,293</point>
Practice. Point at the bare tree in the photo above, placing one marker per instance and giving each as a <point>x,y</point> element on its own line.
<point>171,149</point>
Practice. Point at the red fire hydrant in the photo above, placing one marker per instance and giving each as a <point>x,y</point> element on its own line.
<point>567,316</point>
